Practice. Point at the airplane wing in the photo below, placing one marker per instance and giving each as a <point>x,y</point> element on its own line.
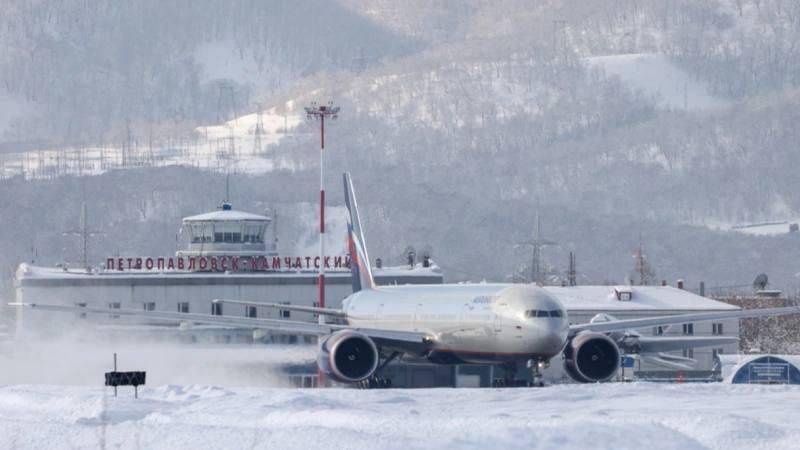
<point>407,341</point>
<point>298,308</point>
<point>668,344</point>
<point>629,324</point>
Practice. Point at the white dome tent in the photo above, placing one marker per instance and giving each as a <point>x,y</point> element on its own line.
<point>760,369</point>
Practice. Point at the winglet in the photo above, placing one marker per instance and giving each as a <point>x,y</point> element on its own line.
<point>359,259</point>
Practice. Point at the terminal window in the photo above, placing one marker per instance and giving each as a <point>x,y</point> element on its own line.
<point>228,232</point>
<point>285,313</point>
<point>183,307</point>
<point>201,233</point>
<point>252,233</point>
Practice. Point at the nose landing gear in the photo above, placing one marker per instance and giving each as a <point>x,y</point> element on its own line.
<point>510,372</point>
<point>536,366</point>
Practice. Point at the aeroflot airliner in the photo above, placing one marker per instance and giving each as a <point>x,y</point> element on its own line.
<point>507,324</point>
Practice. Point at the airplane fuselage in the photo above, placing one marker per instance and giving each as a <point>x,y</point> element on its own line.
<point>478,323</point>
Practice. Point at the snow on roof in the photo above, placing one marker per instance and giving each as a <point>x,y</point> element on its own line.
<point>28,271</point>
<point>418,269</point>
<point>225,215</point>
<point>652,298</point>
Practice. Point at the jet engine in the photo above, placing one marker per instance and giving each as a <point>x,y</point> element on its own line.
<point>348,356</point>
<point>591,357</point>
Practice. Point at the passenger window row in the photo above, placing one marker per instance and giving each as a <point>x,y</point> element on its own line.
<point>543,313</point>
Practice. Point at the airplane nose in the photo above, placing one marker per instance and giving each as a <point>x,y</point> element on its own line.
<point>552,334</point>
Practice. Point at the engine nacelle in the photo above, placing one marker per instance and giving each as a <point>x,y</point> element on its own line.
<point>591,357</point>
<point>348,356</point>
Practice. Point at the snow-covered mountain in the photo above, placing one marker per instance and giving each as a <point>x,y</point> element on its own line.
<point>610,118</point>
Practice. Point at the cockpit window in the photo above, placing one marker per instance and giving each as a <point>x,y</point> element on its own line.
<point>543,313</point>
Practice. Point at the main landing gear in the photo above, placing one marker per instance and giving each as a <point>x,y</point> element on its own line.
<point>375,381</point>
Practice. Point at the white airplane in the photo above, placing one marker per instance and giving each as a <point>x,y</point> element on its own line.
<point>508,324</point>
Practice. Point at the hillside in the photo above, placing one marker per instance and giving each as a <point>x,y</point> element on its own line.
<point>461,121</point>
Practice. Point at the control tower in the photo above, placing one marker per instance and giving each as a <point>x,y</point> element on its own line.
<point>227,232</point>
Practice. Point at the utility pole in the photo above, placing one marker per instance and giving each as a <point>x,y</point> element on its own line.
<point>320,113</point>
<point>572,273</point>
<point>258,132</point>
<point>85,234</point>
<point>641,266</point>
<point>537,244</point>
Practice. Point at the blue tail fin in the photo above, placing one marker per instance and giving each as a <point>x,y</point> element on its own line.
<point>359,259</point>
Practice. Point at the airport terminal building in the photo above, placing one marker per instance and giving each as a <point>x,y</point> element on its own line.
<point>228,256</point>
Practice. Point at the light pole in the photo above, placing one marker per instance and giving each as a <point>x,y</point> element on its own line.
<point>320,112</point>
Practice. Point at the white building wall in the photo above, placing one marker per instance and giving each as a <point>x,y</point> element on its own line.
<point>167,291</point>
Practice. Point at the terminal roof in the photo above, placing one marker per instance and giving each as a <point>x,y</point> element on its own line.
<point>226,215</point>
<point>643,298</point>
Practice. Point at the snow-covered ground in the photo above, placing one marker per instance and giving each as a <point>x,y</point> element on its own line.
<point>230,146</point>
<point>656,76</point>
<point>773,228</point>
<point>612,416</point>
<point>766,229</point>
<point>201,396</point>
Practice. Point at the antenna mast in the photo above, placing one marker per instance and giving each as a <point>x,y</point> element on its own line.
<point>320,113</point>
<point>227,188</point>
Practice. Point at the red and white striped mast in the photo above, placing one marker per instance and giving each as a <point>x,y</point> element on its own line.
<point>321,112</point>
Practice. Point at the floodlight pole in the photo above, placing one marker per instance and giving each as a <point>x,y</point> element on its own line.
<point>321,112</point>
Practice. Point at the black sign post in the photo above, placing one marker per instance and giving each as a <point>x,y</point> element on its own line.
<point>134,379</point>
